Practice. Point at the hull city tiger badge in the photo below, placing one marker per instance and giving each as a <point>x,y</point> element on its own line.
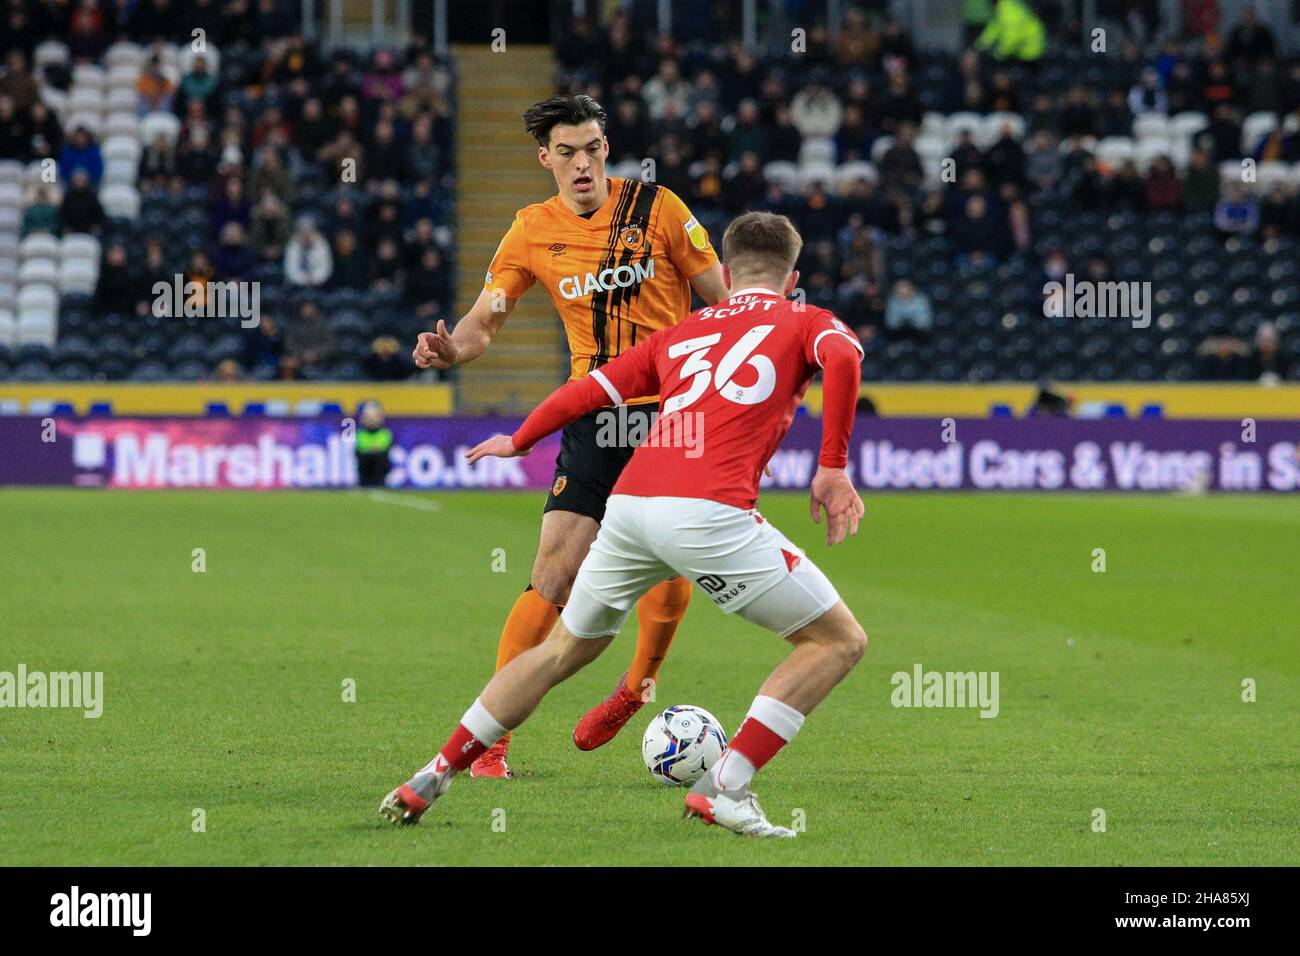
<point>558,488</point>
<point>632,236</point>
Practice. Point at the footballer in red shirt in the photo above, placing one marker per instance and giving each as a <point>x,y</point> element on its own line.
<point>729,378</point>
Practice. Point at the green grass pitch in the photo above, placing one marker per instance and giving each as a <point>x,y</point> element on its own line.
<point>224,689</point>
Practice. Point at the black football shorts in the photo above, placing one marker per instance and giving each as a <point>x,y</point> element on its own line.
<point>593,452</point>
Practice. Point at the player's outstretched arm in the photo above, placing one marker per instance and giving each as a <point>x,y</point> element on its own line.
<point>566,404</point>
<point>473,333</point>
<point>632,373</point>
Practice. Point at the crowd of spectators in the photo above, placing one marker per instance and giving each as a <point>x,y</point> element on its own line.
<point>714,116</point>
<point>303,170</point>
<point>270,130</point>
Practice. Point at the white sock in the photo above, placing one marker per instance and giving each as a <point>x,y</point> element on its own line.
<point>777,716</point>
<point>734,769</point>
<point>481,724</point>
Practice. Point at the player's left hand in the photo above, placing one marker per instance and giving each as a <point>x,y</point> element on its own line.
<point>498,446</point>
<point>833,490</point>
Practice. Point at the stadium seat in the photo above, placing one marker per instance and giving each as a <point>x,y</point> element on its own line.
<point>817,150</point>
<point>125,124</point>
<point>1151,126</point>
<point>78,275</point>
<point>155,124</point>
<point>815,172</point>
<point>1116,150</point>
<point>958,123</point>
<point>89,75</point>
<point>80,245</point>
<point>84,119</point>
<point>846,174</point>
<point>124,53</point>
<point>38,271</point>
<point>37,328</point>
<point>1149,149</point>
<point>1254,128</point>
<point>85,99</point>
<point>50,53</point>
<point>991,129</point>
<point>120,201</point>
<point>122,78</point>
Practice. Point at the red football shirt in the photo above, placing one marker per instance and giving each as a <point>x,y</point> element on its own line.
<point>729,378</point>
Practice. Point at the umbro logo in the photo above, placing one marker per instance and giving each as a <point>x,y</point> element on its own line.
<point>558,248</point>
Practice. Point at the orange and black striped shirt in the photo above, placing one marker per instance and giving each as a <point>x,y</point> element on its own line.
<point>614,277</point>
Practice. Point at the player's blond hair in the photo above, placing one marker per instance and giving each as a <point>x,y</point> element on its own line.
<point>761,244</point>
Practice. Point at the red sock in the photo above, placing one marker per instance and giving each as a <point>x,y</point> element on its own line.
<point>757,742</point>
<point>461,749</point>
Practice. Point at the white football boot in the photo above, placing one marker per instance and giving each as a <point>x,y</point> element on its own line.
<point>405,805</point>
<point>736,810</point>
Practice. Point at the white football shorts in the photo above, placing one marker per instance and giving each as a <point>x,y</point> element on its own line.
<point>735,556</point>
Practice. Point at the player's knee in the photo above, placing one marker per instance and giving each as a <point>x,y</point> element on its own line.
<point>552,583</point>
<point>840,632</point>
<point>853,642</point>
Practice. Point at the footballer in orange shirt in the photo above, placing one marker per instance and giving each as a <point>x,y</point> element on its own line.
<point>619,258</point>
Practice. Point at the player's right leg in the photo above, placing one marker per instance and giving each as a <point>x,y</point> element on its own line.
<point>617,571</point>
<point>565,537</point>
<point>509,698</point>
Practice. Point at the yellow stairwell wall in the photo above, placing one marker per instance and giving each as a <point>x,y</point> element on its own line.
<point>497,174</point>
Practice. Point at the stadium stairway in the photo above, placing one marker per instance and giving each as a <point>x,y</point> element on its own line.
<point>499,174</point>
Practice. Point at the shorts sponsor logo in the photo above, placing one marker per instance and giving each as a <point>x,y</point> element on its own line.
<point>716,587</point>
<point>711,583</point>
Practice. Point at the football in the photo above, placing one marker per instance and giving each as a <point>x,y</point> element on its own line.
<point>681,744</point>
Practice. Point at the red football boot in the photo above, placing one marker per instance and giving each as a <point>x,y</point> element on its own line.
<point>600,724</point>
<point>492,763</point>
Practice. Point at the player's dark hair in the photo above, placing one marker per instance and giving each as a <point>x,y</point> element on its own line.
<point>761,243</point>
<point>541,118</point>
